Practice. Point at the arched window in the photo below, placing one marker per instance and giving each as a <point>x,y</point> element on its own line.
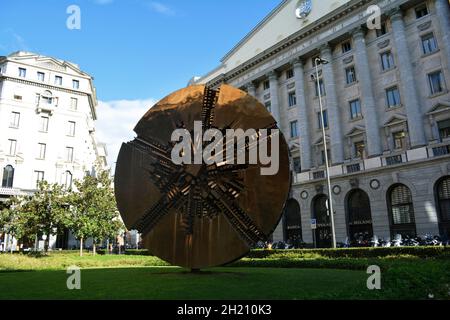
<point>292,223</point>
<point>359,217</point>
<point>323,236</point>
<point>47,97</point>
<point>401,211</point>
<point>443,205</point>
<point>8,177</point>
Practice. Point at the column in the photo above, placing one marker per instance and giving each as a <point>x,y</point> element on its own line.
<point>409,88</point>
<point>367,96</point>
<point>302,109</point>
<point>443,14</point>
<point>274,105</point>
<point>334,121</point>
<point>251,89</point>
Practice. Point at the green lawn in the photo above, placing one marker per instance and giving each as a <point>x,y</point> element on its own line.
<point>175,283</point>
<point>145,277</point>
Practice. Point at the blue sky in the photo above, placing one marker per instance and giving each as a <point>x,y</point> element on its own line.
<point>135,49</point>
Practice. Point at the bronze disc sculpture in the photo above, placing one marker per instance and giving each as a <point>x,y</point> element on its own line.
<point>202,214</point>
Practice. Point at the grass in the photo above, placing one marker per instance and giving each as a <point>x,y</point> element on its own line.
<point>302,275</point>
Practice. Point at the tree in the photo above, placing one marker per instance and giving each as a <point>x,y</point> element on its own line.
<point>12,219</point>
<point>46,210</point>
<point>93,210</point>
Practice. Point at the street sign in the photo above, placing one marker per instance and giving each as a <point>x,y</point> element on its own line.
<point>313,224</point>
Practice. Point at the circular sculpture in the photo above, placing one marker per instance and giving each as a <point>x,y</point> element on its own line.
<point>203,214</point>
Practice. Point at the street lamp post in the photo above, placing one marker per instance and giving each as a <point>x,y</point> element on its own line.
<point>327,167</point>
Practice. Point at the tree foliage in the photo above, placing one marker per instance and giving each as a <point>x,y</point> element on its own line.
<point>89,211</point>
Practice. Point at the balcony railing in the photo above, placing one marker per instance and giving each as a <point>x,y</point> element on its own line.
<point>318,175</point>
<point>393,160</point>
<point>352,168</point>
<point>441,151</point>
<point>412,155</point>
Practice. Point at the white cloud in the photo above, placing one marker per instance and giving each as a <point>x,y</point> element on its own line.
<point>116,121</point>
<point>161,8</point>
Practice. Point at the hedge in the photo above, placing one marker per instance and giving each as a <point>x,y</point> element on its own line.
<point>370,252</point>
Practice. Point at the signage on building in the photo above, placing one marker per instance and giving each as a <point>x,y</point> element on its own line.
<point>313,224</point>
<point>303,9</point>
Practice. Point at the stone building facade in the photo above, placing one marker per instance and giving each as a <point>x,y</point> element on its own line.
<point>387,112</point>
<point>47,131</point>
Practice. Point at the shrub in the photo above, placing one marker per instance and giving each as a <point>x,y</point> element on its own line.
<point>371,252</point>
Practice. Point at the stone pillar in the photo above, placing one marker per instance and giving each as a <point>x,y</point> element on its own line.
<point>251,89</point>
<point>367,96</point>
<point>443,14</point>
<point>334,121</point>
<point>410,96</point>
<point>274,105</point>
<point>302,109</point>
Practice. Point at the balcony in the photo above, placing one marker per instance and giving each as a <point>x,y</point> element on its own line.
<point>441,151</point>
<point>10,191</point>
<point>388,160</point>
<point>393,160</point>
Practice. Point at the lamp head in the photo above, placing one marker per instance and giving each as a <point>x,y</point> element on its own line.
<point>320,60</point>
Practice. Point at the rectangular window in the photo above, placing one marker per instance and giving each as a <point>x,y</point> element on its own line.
<point>289,74</point>
<point>297,165</point>
<point>294,132</point>
<point>429,44</point>
<point>387,60</point>
<point>436,81</point>
<point>43,125</point>
<point>392,97</point>
<point>421,11</point>
<point>268,106</point>
<point>17,97</point>
<point>320,86</point>
<point>444,129</point>
<point>22,72</point>
<point>69,154</point>
<point>38,177</point>
<point>71,128</point>
<point>292,99</point>
<point>399,139</point>
<point>58,80</point>
<point>323,156</point>
<point>325,118</point>
<point>360,149</point>
<point>12,147</point>
<point>350,75</point>
<point>14,120</point>
<point>41,76</point>
<point>355,109</point>
<point>75,84</point>
<point>346,47</point>
<point>382,31</point>
<point>42,148</point>
<point>73,103</point>
<point>266,85</point>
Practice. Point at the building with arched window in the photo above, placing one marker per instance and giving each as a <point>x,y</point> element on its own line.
<point>443,205</point>
<point>47,129</point>
<point>386,113</point>
<point>401,211</point>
